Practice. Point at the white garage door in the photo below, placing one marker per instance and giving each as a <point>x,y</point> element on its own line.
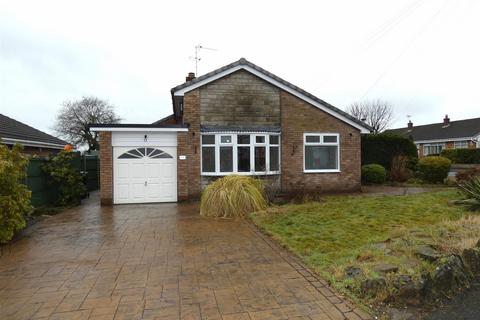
<point>145,174</point>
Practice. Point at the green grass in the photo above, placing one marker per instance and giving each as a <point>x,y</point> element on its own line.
<point>346,231</point>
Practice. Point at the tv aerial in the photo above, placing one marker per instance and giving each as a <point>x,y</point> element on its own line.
<point>197,58</point>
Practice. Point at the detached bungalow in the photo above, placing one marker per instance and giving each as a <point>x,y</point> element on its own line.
<point>239,119</point>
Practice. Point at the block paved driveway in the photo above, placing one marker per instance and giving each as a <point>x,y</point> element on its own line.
<point>158,261</point>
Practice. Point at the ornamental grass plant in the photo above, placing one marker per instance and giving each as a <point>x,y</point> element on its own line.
<point>233,196</point>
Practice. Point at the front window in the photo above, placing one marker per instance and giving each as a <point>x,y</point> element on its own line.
<point>432,149</point>
<point>240,154</point>
<point>322,152</point>
<point>461,144</point>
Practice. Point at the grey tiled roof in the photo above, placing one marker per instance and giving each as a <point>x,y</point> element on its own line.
<point>13,129</point>
<point>245,62</point>
<point>437,131</point>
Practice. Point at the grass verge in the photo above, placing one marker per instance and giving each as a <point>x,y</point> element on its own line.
<point>367,231</point>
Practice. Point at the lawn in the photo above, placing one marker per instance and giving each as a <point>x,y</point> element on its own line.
<point>366,231</point>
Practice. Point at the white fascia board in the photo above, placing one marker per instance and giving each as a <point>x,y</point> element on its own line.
<point>31,143</point>
<point>222,74</point>
<point>443,140</point>
<point>126,129</point>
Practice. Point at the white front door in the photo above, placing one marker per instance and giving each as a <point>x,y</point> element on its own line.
<point>145,174</point>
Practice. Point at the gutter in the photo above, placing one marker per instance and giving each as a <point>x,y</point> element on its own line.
<point>31,143</point>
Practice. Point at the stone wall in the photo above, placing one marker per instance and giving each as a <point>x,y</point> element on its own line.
<point>240,99</point>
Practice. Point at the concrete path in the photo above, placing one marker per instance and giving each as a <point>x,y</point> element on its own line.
<point>158,261</point>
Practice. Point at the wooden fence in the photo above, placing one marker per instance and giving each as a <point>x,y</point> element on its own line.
<point>44,192</point>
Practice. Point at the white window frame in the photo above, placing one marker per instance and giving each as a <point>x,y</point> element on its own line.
<point>425,146</point>
<point>234,144</point>
<point>463,144</point>
<point>321,143</point>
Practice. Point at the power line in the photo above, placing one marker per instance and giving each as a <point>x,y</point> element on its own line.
<point>402,52</point>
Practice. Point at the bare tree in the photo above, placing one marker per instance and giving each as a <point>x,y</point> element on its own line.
<point>377,114</point>
<point>74,119</point>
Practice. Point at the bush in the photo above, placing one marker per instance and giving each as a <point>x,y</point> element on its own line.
<point>382,148</point>
<point>468,174</point>
<point>70,182</point>
<point>233,196</point>
<point>373,173</point>
<point>471,189</point>
<point>434,169</point>
<point>399,169</point>
<point>464,156</point>
<point>14,196</point>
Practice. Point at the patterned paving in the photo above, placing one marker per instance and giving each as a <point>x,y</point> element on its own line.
<point>156,262</point>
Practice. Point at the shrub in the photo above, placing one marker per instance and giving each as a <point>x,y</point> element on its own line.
<point>434,169</point>
<point>382,148</point>
<point>468,174</point>
<point>471,189</point>
<point>14,196</point>
<point>399,169</point>
<point>466,156</point>
<point>233,196</point>
<point>373,173</point>
<point>70,182</point>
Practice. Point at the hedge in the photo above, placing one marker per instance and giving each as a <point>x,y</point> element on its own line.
<point>381,148</point>
<point>466,156</point>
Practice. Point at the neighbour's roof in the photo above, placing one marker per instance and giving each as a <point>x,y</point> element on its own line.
<point>13,129</point>
<point>165,119</point>
<point>437,131</point>
<point>266,75</point>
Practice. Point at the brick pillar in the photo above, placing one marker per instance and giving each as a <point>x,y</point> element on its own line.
<point>182,166</point>
<point>191,107</point>
<point>106,169</point>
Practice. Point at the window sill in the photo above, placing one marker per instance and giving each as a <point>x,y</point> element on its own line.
<point>322,171</point>
<point>221,174</point>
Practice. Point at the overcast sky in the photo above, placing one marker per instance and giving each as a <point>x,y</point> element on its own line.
<point>423,56</point>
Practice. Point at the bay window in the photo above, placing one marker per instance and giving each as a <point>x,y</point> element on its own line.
<point>321,152</point>
<point>240,153</point>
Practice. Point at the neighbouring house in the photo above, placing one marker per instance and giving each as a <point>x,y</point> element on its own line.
<point>34,141</point>
<point>239,119</point>
<point>431,139</point>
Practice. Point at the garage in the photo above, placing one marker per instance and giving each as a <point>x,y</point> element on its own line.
<point>145,174</point>
<point>144,166</point>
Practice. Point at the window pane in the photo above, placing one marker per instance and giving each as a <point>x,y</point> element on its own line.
<point>259,159</point>
<point>208,159</point>
<point>330,139</point>
<point>312,139</point>
<point>260,139</point>
<point>243,159</point>
<point>208,139</point>
<point>274,163</point>
<point>320,157</point>
<point>226,159</point>
<point>273,139</point>
<point>225,139</point>
<point>243,139</point>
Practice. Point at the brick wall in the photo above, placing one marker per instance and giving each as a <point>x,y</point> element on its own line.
<point>106,168</point>
<point>240,99</point>
<point>299,117</point>
<point>191,145</point>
